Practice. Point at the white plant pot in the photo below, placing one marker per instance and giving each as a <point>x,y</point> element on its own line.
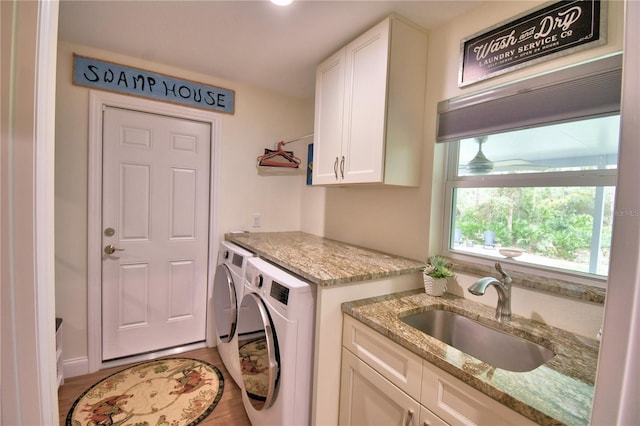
<point>434,286</point>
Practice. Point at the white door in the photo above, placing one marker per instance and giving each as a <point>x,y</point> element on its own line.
<point>155,215</point>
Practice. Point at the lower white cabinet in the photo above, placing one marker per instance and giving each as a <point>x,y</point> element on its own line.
<point>427,418</point>
<point>383,383</point>
<point>380,382</point>
<point>367,398</point>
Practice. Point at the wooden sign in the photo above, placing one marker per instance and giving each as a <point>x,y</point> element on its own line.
<point>555,30</point>
<point>103,75</point>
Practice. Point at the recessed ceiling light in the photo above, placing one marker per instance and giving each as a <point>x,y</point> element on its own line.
<point>282,2</point>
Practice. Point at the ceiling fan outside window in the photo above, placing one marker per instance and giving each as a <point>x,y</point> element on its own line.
<point>581,145</point>
<point>480,164</point>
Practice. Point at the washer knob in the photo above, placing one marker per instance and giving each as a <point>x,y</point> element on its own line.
<point>260,281</point>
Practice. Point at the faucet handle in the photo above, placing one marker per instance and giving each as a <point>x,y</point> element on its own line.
<point>506,279</point>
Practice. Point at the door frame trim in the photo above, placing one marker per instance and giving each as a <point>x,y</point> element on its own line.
<point>97,101</point>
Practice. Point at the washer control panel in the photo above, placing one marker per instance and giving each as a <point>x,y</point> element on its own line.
<point>279,292</point>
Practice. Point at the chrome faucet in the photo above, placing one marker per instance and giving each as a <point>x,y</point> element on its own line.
<point>503,287</point>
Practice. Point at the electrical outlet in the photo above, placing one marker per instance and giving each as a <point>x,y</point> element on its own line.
<point>257,220</point>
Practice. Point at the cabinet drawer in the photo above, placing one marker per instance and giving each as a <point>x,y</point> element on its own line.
<point>458,403</point>
<point>395,363</point>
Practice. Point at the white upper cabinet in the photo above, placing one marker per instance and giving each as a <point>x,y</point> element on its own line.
<point>328,119</point>
<point>369,108</point>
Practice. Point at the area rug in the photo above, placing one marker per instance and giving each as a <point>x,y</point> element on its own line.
<point>254,364</point>
<point>168,391</point>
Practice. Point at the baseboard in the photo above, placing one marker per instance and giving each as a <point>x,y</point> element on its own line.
<point>152,355</point>
<point>80,366</point>
<point>75,366</point>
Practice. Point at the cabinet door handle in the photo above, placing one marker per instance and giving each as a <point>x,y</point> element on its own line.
<point>335,168</point>
<point>409,417</point>
<point>342,167</point>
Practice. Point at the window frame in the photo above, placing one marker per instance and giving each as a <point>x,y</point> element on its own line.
<point>595,178</point>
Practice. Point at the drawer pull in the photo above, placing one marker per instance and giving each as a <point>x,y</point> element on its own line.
<point>409,417</point>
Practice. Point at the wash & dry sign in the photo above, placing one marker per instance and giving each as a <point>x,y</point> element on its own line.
<point>99,74</point>
<point>555,30</point>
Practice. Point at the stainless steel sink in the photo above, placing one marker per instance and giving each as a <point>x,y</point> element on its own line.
<point>492,346</point>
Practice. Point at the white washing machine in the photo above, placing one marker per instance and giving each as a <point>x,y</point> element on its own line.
<point>228,289</point>
<point>276,360</point>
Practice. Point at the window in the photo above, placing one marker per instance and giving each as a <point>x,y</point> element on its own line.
<point>532,169</point>
<point>544,194</point>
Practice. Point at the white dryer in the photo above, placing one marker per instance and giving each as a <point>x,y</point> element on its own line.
<point>228,289</point>
<point>276,360</point>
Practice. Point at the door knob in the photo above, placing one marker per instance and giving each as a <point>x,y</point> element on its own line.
<point>110,249</point>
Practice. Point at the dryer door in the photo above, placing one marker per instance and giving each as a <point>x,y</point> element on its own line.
<point>259,355</point>
<point>225,303</point>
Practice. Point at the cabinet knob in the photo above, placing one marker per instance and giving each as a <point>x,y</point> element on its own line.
<point>342,167</point>
<point>335,168</point>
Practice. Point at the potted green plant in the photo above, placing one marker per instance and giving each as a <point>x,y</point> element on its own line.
<point>435,274</point>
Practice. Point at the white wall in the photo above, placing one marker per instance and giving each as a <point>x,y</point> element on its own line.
<point>261,119</point>
<point>27,88</point>
<point>408,221</point>
<point>312,210</point>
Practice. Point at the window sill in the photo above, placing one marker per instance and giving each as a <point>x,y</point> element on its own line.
<point>532,281</point>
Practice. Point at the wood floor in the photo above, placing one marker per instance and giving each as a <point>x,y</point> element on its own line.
<point>229,410</point>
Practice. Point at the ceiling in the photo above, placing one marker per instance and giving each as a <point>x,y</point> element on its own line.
<point>251,42</point>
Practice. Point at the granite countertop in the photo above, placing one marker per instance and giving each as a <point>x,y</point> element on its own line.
<point>558,392</point>
<point>323,261</point>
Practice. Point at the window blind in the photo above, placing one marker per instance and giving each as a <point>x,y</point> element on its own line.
<point>587,90</point>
